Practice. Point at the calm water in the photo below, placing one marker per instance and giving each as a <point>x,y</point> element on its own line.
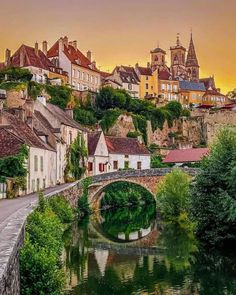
<point>124,252</point>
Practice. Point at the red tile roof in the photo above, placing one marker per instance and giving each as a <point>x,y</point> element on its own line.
<point>93,138</point>
<point>213,92</point>
<point>10,144</point>
<point>164,75</point>
<point>125,146</point>
<point>74,55</point>
<point>145,71</point>
<point>30,58</point>
<point>186,155</point>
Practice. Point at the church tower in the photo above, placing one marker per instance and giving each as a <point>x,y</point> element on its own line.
<point>158,58</point>
<point>178,60</point>
<point>192,66</point>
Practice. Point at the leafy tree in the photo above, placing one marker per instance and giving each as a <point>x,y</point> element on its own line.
<point>84,116</point>
<point>15,75</point>
<point>186,113</point>
<point>109,119</point>
<point>175,108</point>
<point>60,95</point>
<point>213,192</point>
<point>173,196</point>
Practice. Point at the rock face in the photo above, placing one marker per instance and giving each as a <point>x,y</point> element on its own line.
<point>201,128</point>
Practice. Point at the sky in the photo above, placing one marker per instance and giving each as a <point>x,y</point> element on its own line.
<point>124,31</point>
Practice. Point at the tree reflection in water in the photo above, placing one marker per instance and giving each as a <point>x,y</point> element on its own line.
<point>178,267</point>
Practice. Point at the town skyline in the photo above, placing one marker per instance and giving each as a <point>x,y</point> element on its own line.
<point>127,36</point>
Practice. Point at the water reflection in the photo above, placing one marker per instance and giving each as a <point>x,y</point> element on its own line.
<point>99,260</point>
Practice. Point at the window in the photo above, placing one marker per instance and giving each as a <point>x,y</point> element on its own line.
<point>139,165</point>
<point>78,74</point>
<point>38,184</point>
<point>146,77</point>
<point>90,166</point>
<point>44,183</point>
<point>146,85</point>
<point>41,163</point>
<point>163,86</point>
<point>33,185</point>
<point>74,73</point>
<point>115,165</point>
<point>130,86</point>
<point>35,163</point>
<point>101,167</point>
<point>126,164</point>
<point>126,156</point>
<point>70,137</point>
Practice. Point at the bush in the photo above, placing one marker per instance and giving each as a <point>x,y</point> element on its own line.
<point>214,192</point>
<point>16,74</point>
<point>109,119</point>
<point>186,113</point>
<point>153,147</point>
<point>133,134</point>
<point>84,117</point>
<point>173,195</point>
<point>62,209</point>
<point>60,95</point>
<point>156,162</point>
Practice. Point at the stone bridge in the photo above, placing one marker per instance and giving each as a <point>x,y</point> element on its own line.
<point>12,231</point>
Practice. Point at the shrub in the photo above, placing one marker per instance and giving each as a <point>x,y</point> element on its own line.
<point>186,113</point>
<point>62,209</point>
<point>133,134</point>
<point>16,74</point>
<point>84,117</point>
<point>173,195</point>
<point>214,193</point>
<point>109,119</point>
<point>60,95</point>
<point>156,162</point>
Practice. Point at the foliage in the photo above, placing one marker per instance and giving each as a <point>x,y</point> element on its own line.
<point>76,155</point>
<point>15,74</point>
<point>175,108</point>
<point>42,273</point>
<point>60,95</point>
<point>173,196</point>
<point>62,209</point>
<point>214,192</point>
<point>35,89</point>
<point>109,119</point>
<point>153,147</point>
<point>133,134</point>
<point>121,194</point>
<point>85,117</point>
<point>232,94</point>
<point>17,86</point>
<point>156,162</point>
<point>83,205</point>
<point>14,166</point>
<point>186,113</point>
<point>140,124</point>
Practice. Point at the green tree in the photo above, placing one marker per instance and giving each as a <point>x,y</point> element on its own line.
<point>15,75</point>
<point>214,192</point>
<point>60,95</point>
<point>173,197</point>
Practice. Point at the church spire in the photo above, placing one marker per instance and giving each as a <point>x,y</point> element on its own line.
<point>191,57</point>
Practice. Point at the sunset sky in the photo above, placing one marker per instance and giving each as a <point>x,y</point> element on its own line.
<point>124,31</point>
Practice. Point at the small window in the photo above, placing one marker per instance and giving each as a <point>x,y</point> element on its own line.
<point>41,163</point>
<point>146,85</point>
<point>101,167</point>
<point>38,184</point>
<point>130,86</point>
<point>70,137</point>
<point>126,164</point>
<point>146,77</point>
<point>126,156</point>
<point>115,165</point>
<point>90,166</point>
<point>44,183</point>
<point>139,165</point>
<point>33,185</point>
<point>35,163</point>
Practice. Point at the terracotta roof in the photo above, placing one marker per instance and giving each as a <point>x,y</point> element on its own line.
<point>213,92</point>
<point>105,74</point>
<point>125,146</point>
<point>63,117</point>
<point>10,144</point>
<point>74,55</point>
<point>145,71</point>
<point>186,155</point>
<point>93,138</point>
<point>23,131</point>
<point>30,58</point>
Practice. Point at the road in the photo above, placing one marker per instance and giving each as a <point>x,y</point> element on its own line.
<point>9,206</point>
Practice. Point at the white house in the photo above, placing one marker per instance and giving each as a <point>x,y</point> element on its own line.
<point>127,77</point>
<point>109,154</point>
<point>41,163</point>
<point>82,71</point>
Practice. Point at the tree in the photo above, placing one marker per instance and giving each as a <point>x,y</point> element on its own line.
<point>15,75</point>
<point>60,95</point>
<point>213,192</point>
<point>173,196</point>
<point>232,94</point>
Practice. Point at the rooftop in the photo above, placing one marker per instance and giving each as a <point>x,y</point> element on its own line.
<point>192,86</point>
<point>186,155</point>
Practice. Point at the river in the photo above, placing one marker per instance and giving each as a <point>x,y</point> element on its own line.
<point>127,251</point>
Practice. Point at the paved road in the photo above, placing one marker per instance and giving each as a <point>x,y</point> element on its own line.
<point>10,206</point>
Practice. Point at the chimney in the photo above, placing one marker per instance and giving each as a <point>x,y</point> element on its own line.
<point>61,45</point>
<point>45,47</point>
<point>89,55</point>
<point>75,44</point>
<point>36,48</point>
<point>7,57</point>
<point>71,43</point>
<point>22,58</point>
<point>69,112</point>
<point>65,41</point>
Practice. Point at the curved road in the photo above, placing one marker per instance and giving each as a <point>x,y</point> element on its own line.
<point>10,206</point>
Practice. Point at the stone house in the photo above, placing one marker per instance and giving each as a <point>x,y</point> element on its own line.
<point>109,154</point>
<point>36,61</point>
<point>82,71</point>
<point>41,163</point>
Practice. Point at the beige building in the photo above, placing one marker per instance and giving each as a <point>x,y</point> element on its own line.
<point>82,71</point>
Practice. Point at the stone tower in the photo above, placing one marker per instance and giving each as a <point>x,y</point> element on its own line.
<point>178,53</point>
<point>192,66</point>
<point>158,58</point>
